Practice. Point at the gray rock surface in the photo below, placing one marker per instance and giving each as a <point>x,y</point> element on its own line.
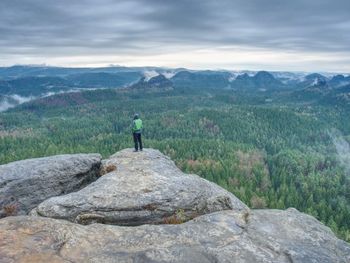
<point>300,237</point>
<point>25,184</point>
<point>145,188</point>
<point>267,236</point>
<point>142,188</point>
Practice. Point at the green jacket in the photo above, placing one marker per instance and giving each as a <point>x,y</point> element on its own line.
<point>137,126</point>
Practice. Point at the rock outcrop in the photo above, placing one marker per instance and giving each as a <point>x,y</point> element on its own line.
<point>296,236</point>
<point>25,184</point>
<point>268,236</point>
<point>156,84</point>
<point>175,217</point>
<point>145,188</point>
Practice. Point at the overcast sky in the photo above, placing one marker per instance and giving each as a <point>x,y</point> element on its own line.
<point>300,35</point>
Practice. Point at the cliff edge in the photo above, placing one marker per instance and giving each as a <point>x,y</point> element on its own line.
<point>139,207</point>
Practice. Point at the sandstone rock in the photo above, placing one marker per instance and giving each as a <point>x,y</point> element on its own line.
<point>25,184</point>
<point>145,188</point>
<point>268,236</point>
<point>300,237</point>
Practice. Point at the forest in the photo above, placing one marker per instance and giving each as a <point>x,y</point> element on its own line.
<point>270,149</point>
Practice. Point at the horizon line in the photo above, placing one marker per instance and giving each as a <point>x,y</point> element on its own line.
<point>166,67</point>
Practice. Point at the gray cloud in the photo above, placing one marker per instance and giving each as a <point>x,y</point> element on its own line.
<point>46,29</point>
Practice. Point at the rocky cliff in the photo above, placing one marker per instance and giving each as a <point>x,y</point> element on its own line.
<point>27,183</point>
<point>139,207</point>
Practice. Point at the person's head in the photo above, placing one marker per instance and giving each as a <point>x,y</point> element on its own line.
<point>136,116</point>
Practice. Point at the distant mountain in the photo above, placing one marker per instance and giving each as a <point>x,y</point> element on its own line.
<point>266,80</point>
<point>289,78</point>
<point>317,87</point>
<point>338,96</point>
<point>315,76</point>
<point>262,81</point>
<point>29,82</point>
<point>313,79</point>
<point>157,83</point>
<point>339,80</point>
<point>14,72</point>
<point>312,92</point>
<point>202,79</point>
<point>243,81</point>
<point>7,73</point>
<point>325,92</point>
<point>33,86</point>
<point>69,98</point>
<point>38,86</point>
<point>103,79</point>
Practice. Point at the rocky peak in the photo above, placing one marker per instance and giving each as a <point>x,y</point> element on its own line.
<point>159,79</point>
<point>243,76</point>
<point>183,75</point>
<point>142,208</point>
<point>262,80</point>
<point>314,76</point>
<point>264,76</point>
<point>157,83</point>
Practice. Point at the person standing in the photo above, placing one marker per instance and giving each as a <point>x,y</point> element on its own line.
<point>136,132</point>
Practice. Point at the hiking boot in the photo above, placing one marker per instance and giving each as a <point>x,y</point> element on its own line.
<point>136,150</point>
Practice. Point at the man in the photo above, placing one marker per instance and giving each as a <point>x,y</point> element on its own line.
<point>136,132</point>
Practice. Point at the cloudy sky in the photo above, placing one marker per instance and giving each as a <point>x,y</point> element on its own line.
<point>300,35</point>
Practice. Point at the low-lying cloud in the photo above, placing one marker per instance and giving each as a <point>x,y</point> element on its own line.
<point>21,99</point>
<point>150,74</point>
<point>11,101</point>
<point>5,105</point>
<point>343,149</point>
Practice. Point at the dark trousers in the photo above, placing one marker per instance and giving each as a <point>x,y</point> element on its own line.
<point>137,141</point>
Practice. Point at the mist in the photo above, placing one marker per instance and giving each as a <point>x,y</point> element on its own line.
<point>21,99</point>
<point>5,105</point>
<point>150,74</point>
<point>11,101</point>
<point>343,149</point>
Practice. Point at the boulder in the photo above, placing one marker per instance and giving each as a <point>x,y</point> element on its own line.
<point>145,188</point>
<point>25,184</point>
<point>266,236</point>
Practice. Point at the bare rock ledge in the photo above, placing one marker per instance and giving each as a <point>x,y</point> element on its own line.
<point>25,184</point>
<point>268,236</point>
<point>136,201</point>
<point>145,188</point>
